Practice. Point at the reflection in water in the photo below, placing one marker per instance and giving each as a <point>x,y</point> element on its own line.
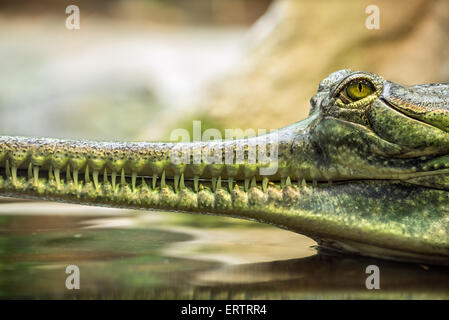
<point>133,255</point>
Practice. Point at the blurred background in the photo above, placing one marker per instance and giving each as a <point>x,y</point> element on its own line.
<point>136,70</point>
<point>132,70</point>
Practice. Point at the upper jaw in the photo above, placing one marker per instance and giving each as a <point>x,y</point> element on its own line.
<point>426,103</point>
<point>31,158</point>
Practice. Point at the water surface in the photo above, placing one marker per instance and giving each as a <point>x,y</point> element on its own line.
<point>125,254</point>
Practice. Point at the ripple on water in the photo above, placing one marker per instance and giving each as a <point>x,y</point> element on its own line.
<point>149,255</point>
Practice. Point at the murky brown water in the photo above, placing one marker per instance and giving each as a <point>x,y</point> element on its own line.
<point>125,254</point>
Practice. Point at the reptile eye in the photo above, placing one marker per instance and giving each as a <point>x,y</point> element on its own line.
<point>359,89</point>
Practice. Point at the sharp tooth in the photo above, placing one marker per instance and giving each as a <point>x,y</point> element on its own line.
<point>113,179</point>
<point>232,171</point>
<point>181,182</point>
<point>75,177</point>
<point>154,181</point>
<point>265,184</point>
<point>122,179</point>
<point>86,174</point>
<point>14,174</point>
<point>330,182</point>
<point>58,178</point>
<point>95,176</point>
<point>144,184</point>
<point>303,183</point>
<point>30,171</point>
<point>163,179</point>
<point>133,180</point>
<point>219,182</point>
<point>67,174</point>
<point>176,182</point>
<point>105,176</point>
<point>230,183</point>
<point>214,184</point>
<point>315,183</point>
<point>253,182</point>
<point>246,184</point>
<point>50,174</point>
<point>195,183</point>
<point>288,182</point>
<point>35,174</point>
<point>282,183</point>
<point>7,171</point>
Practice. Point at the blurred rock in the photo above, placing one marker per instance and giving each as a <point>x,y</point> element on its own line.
<point>298,42</point>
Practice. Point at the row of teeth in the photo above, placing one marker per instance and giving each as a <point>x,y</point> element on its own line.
<point>55,174</point>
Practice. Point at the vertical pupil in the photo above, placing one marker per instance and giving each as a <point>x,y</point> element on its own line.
<point>360,87</point>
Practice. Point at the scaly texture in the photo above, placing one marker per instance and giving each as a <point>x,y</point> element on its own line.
<point>367,172</point>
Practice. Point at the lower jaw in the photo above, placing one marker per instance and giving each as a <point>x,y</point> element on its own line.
<point>170,193</point>
<point>144,192</point>
<point>369,250</point>
<point>331,213</point>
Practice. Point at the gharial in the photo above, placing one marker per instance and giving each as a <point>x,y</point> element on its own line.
<point>367,172</point>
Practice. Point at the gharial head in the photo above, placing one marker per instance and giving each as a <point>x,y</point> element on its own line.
<point>370,128</point>
<point>366,172</point>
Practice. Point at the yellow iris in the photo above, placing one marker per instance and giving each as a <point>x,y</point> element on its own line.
<point>359,90</point>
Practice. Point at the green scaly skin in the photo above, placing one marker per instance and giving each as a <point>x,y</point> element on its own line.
<point>369,176</point>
